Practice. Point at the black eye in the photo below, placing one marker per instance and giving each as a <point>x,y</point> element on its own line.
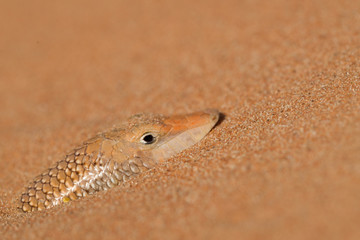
<point>148,138</point>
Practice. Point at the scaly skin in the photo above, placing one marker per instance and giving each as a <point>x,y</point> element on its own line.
<point>115,156</point>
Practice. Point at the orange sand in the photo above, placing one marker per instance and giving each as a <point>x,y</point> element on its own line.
<point>283,164</point>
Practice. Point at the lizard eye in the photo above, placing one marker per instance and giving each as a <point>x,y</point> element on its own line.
<point>148,138</point>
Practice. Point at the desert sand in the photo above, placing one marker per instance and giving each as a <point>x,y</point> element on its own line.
<point>284,163</point>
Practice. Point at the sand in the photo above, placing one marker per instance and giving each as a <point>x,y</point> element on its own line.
<point>284,162</point>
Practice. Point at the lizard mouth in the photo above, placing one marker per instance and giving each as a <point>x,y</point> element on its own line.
<point>185,131</point>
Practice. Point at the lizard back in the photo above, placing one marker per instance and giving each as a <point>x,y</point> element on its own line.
<point>86,170</point>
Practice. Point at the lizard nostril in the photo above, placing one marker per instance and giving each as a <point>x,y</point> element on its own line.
<point>214,113</point>
<point>215,117</point>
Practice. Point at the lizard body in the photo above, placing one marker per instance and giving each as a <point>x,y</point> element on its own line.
<point>114,156</point>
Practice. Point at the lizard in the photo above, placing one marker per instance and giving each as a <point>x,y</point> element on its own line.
<point>115,156</point>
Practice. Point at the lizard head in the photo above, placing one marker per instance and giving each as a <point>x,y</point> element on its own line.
<point>159,137</point>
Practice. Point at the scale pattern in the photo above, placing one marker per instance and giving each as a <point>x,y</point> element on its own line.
<point>84,171</point>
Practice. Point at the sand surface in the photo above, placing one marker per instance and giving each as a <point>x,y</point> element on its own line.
<point>283,164</point>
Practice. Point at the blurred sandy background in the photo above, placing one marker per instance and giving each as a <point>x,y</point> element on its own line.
<point>285,162</point>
